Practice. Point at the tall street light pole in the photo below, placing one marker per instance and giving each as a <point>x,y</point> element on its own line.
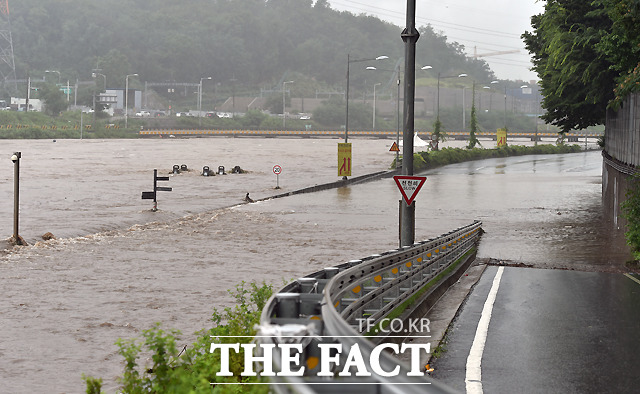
<point>200,100</point>
<point>438,94</point>
<point>126,99</point>
<point>103,76</point>
<point>399,72</point>
<point>438,103</point>
<point>284,102</point>
<point>53,71</point>
<point>374,106</point>
<point>349,61</point>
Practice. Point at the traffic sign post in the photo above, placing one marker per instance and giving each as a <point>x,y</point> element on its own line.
<point>277,170</point>
<point>409,187</point>
<point>153,195</point>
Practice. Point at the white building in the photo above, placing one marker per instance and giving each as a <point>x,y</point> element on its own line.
<point>20,103</point>
<point>134,103</point>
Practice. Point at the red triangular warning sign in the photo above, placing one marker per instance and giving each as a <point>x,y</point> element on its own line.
<point>409,186</point>
<point>394,148</point>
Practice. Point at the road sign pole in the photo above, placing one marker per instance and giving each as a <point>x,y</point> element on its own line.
<point>410,36</point>
<point>409,186</point>
<point>277,170</point>
<point>153,195</point>
<point>155,188</point>
<point>16,196</point>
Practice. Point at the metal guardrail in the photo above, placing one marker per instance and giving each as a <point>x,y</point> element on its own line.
<point>326,307</point>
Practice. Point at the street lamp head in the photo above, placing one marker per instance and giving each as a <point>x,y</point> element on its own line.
<point>486,87</point>
<point>524,86</point>
<point>494,82</point>
<point>462,75</point>
<point>382,57</point>
<point>426,68</point>
<point>371,68</point>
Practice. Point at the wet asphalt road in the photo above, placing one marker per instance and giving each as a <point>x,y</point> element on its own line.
<point>551,331</point>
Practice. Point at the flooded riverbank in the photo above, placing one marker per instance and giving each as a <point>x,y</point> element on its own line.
<point>117,268</point>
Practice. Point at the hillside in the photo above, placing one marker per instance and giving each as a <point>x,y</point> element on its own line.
<point>244,43</point>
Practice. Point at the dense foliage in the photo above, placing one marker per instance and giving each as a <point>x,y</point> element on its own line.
<point>586,55</point>
<point>192,369</point>
<point>236,42</point>
<point>631,212</point>
<point>423,161</point>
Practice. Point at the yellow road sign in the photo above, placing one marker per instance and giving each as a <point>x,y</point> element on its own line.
<point>344,159</point>
<point>502,137</point>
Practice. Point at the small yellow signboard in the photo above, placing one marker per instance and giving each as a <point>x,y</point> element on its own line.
<point>344,159</point>
<point>501,137</point>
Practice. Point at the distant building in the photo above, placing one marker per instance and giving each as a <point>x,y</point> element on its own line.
<point>20,104</point>
<point>134,102</point>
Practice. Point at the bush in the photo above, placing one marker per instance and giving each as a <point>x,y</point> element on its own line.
<point>631,212</point>
<point>192,370</point>
<point>423,161</point>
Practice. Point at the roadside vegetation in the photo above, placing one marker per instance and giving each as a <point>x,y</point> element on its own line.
<point>631,212</point>
<point>423,161</point>
<point>174,368</point>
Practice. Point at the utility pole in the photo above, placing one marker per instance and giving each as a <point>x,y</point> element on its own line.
<point>410,36</point>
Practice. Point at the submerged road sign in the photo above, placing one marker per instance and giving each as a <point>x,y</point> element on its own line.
<point>409,186</point>
<point>153,195</point>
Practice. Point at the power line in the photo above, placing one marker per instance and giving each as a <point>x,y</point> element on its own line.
<point>395,14</point>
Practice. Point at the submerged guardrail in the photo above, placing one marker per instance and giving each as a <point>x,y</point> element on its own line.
<point>335,319</point>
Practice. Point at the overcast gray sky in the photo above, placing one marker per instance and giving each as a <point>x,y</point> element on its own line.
<point>490,26</point>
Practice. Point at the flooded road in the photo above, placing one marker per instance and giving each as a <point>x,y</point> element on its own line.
<point>117,268</point>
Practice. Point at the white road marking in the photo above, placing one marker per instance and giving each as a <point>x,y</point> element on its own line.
<point>473,379</point>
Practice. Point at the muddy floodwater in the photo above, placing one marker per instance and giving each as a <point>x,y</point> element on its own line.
<point>116,268</point>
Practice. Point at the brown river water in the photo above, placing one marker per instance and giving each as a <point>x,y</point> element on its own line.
<point>117,268</point>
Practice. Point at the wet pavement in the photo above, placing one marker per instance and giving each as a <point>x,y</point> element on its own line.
<point>550,331</point>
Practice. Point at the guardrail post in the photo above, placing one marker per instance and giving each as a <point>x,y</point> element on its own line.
<point>288,305</point>
<point>307,285</point>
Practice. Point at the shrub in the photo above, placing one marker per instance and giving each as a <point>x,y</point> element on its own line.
<point>192,370</point>
<point>423,161</point>
<point>631,212</point>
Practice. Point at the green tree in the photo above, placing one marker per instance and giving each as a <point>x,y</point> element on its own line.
<point>473,124</point>
<point>253,118</point>
<point>622,45</point>
<point>330,113</point>
<point>54,100</point>
<point>576,80</point>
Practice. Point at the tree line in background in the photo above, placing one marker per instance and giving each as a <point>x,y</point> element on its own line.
<point>243,45</point>
<point>587,55</point>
